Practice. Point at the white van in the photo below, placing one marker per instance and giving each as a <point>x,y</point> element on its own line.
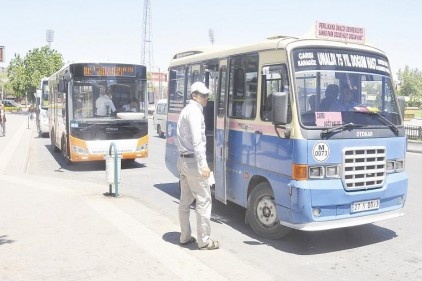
<point>160,117</point>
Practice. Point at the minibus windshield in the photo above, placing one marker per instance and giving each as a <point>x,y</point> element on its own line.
<point>334,87</point>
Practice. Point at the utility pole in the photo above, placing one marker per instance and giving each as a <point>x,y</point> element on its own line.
<point>147,55</point>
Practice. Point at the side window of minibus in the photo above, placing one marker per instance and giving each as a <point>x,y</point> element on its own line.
<point>177,88</point>
<point>242,86</point>
<point>274,79</point>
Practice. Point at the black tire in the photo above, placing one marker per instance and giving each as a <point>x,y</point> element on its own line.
<point>52,140</point>
<point>262,213</point>
<point>64,151</point>
<point>160,132</point>
<point>63,148</point>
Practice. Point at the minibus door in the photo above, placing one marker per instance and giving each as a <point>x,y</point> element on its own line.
<point>221,134</point>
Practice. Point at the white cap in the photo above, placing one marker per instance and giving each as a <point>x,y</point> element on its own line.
<point>199,87</point>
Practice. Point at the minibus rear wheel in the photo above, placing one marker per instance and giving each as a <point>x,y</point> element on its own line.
<point>262,213</point>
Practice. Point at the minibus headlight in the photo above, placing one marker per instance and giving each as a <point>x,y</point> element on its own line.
<point>399,165</point>
<point>332,171</point>
<point>316,172</point>
<point>395,166</point>
<point>390,166</point>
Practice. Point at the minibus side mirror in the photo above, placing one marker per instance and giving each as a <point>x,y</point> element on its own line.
<point>279,108</point>
<point>402,105</point>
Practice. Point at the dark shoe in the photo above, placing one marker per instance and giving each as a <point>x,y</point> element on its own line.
<point>212,245</point>
<point>192,240</point>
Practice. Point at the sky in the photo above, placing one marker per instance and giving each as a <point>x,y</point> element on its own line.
<point>111,31</point>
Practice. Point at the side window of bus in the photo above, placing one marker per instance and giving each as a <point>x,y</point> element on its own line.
<point>63,105</point>
<point>222,90</point>
<point>274,79</point>
<point>195,77</point>
<point>177,88</point>
<point>242,90</point>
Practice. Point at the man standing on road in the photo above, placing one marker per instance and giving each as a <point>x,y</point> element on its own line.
<point>194,170</point>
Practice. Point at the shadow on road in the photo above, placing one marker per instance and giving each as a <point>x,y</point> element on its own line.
<point>297,242</point>
<point>4,240</point>
<point>88,166</point>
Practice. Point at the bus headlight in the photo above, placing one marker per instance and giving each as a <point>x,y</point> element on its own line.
<point>79,150</point>
<point>142,147</point>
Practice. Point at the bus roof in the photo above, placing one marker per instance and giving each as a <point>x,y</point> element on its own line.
<point>278,42</point>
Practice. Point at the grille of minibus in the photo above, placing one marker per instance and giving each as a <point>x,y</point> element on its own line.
<point>364,168</point>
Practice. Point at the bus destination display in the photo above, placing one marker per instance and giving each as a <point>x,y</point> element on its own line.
<point>109,70</point>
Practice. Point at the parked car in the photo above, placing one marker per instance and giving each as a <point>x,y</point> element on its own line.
<point>160,117</point>
<point>11,105</point>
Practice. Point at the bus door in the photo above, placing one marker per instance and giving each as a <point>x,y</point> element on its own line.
<point>221,134</point>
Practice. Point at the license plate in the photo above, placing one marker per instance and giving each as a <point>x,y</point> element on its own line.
<point>365,206</point>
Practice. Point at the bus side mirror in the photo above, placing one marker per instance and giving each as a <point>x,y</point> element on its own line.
<point>402,105</point>
<point>279,108</point>
<point>63,82</point>
<point>62,86</point>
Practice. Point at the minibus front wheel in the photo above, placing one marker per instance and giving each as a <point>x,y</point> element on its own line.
<point>262,213</point>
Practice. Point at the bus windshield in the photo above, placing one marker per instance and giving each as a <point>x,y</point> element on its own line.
<point>335,87</point>
<point>125,95</point>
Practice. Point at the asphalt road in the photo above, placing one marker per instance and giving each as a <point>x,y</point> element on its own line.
<point>389,250</point>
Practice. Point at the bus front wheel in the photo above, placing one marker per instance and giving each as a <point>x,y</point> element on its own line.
<point>53,142</point>
<point>262,213</point>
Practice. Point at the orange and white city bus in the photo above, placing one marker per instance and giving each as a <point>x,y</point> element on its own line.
<point>76,128</point>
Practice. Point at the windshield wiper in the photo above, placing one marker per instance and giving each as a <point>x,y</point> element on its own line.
<point>376,113</point>
<point>341,127</point>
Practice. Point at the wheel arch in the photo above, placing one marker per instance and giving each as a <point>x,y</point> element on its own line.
<point>257,179</point>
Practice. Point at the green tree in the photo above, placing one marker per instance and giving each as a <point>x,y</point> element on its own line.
<point>25,74</point>
<point>410,81</point>
<point>5,85</point>
<point>16,74</point>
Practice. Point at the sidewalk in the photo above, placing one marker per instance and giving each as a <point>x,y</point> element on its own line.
<point>67,230</point>
<point>414,146</point>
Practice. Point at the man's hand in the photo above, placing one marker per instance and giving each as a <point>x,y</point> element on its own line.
<point>205,172</point>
